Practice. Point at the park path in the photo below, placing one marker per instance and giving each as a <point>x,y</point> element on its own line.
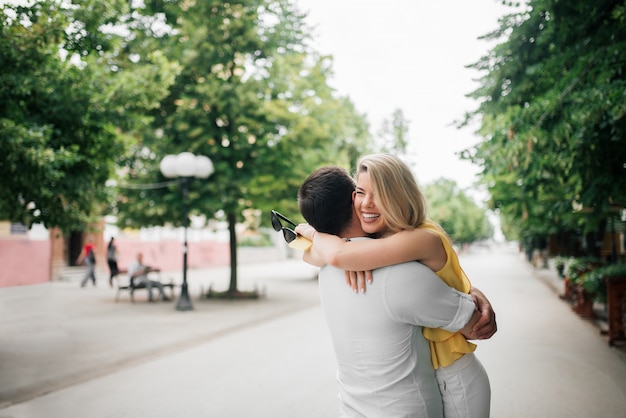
<point>68,351</point>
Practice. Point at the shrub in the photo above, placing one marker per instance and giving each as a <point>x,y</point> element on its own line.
<point>577,267</point>
<point>594,283</point>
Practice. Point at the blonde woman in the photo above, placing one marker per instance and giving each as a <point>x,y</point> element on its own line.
<point>391,207</point>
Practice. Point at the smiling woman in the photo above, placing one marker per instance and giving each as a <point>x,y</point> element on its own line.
<point>379,180</point>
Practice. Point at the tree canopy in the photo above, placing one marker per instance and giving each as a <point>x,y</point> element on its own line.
<point>99,90</point>
<point>552,110</point>
<point>68,92</point>
<point>252,97</point>
<point>457,213</point>
<point>94,94</point>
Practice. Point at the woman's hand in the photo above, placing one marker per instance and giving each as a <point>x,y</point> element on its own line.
<point>306,231</point>
<point>357,279</point>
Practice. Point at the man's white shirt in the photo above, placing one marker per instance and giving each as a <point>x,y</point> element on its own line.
<point>384,366</point>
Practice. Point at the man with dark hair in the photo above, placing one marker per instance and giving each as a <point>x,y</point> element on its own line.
<point>384,366</point>
<point>325,200</point>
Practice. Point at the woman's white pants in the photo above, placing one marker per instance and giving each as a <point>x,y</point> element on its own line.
<point>465,389</point>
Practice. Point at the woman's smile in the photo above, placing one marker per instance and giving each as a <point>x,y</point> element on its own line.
<point>369,217</point>
<point>365,205</point>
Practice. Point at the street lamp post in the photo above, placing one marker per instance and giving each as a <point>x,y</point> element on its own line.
<point>185,166</point>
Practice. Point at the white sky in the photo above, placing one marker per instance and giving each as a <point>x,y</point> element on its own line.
<point>410,54</point>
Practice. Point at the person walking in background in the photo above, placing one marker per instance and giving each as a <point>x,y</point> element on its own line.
<point>112,261</point>
<point>88,257</point>
<point>391,207</point>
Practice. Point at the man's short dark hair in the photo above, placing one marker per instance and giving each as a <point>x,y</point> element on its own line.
<point>325,199</point>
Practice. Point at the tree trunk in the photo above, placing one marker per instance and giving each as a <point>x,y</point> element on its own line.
<point>232,220</point>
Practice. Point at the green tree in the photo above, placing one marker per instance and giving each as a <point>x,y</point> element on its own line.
<point>457,213</point>
<point>553,117</point>
<point>394,134</point>
<point>66,100</point>
<point>251,97</point>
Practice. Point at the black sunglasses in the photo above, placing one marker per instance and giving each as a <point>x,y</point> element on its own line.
<point>288,234</point>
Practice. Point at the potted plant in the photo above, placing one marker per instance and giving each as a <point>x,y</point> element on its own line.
<point>608,283</point>
<point>570,273</point>
<point>594,281</point>
<point>568,292</point>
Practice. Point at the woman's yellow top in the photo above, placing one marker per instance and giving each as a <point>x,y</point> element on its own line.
<point>446,347</point>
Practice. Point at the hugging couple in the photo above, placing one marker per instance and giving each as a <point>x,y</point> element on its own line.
<point>401,325</point>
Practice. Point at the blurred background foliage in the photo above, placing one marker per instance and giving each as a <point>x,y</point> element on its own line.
<point>94,93</point>
<point>552,118</point>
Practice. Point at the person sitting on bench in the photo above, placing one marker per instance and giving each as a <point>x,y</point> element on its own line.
<point>138,273</point>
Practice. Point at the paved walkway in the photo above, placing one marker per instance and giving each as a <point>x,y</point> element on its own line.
<point>71,352</point>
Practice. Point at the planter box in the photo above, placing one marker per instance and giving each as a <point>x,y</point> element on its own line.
<point>569,291</point>
<point>616,306</point>
<point>583,305</point>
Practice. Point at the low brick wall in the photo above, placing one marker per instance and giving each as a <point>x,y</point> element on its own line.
<point>27,262</point>
<point>168,255</point>
<point>24,262</point>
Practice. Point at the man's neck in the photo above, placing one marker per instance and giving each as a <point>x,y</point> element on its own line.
<point>353,230</point>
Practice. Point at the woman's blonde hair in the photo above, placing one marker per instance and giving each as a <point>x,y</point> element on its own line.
<point>397,194</point>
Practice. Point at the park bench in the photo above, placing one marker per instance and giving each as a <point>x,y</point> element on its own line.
<point>122,282</point>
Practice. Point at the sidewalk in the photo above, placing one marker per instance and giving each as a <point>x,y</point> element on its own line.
<point>555,283</point>
<point>56,334</point>
<point>544,361</point>
<point>67,351</point>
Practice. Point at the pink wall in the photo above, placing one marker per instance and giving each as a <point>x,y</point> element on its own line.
<point>24,262</point>
<point>168,255</point>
